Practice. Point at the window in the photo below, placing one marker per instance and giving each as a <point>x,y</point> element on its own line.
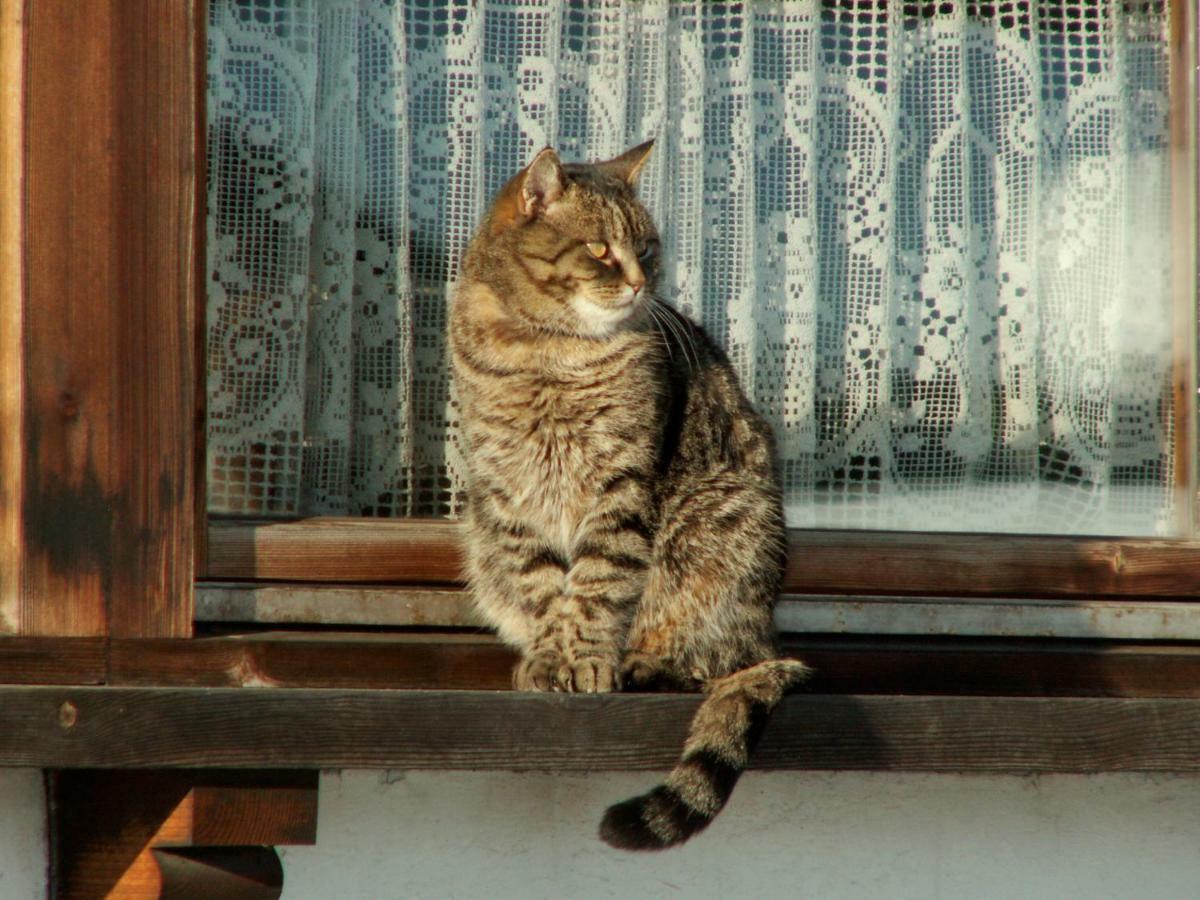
<point>947,276</point>
<point>934,239</point>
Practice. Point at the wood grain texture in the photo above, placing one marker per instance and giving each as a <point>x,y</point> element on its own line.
<point>850,562</point>
<point>106,501</point>
<point>357,551</point>
<point>423,661</point>
<point>272,603</point>
<point>255,728</point>
<point>199,309</point>
<point>426,551</point>
<point>250,603</point>
<point>12,110</point>
<point>842,665</point>
<point>108,826</point>
<point>274,808</point>
<point>52,660</point>
<point>317,661</point>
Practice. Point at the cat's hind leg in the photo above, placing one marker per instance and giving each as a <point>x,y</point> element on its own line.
<point>715,570</point>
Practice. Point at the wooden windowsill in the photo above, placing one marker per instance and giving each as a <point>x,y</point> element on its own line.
<point>111,727</point>
<point>844,664</point>
<point>273,604</point>
<point>421,700</point>
<point>428,552</point>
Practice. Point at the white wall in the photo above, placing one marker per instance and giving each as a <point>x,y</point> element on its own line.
<point>825,836</point>
<point>811,835</point>
<point>22,835</point>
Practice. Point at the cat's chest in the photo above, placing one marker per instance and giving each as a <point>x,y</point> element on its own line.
<point>554,445</point>
<point>564,436</point>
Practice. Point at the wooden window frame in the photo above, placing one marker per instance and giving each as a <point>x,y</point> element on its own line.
<point>99,319</point>
<point>244,552</point>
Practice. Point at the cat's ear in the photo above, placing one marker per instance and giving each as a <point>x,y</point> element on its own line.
<point>543,183</point>
<point>628,164</point>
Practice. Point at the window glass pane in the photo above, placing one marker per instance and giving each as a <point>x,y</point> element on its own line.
<point>934,238</point>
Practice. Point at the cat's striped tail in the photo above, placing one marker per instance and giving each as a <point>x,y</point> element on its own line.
<point>723,733</point>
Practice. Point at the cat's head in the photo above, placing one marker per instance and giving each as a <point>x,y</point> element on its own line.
<point>570,247</point>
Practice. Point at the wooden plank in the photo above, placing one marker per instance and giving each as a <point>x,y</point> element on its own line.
<point>150,590</point>
<point>267,603</point>
<point>859,562</point>
<point>272,808</point>
<point>106,826</point>
<point>69,394</point>
<point>362,551</point>
<point>52,660</point>
<point>428,551</point>
<point>984,668</point>
<point>108,310</point>
<point>255,728</point>
<point>843,665</point>
<point>317,661</point>
<point>309,604</point>
<point>1139,619</point>
<point>11,282</point>
<point>199,324</point>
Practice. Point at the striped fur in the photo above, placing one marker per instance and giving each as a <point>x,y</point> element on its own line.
<point>724,732</point>
<point>624,518</point>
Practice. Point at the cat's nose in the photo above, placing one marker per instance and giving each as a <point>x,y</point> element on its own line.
<point>636,280</point>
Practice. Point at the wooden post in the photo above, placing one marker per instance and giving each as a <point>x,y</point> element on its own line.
<point>97,317</point>
<point>133,835</point>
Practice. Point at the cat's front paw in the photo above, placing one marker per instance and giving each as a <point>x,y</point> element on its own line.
<point>642,671</point>
<point>648,672</point>
<point>538,672</point>
<point>589,675</point>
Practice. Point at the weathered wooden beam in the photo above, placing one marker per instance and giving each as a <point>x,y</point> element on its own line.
<point>52,660</point>
<point>332,660</point>
<point>428,552</point>
<point>843,665</point>
<point>355,551</point>
<point>271,603</point>
<point>999,565</point>
<point>97,466</point>
<point>12,282</point>
<point>257,728</point>
<point>1130,619</point>
<point>424,661</point>
<point>171,833</point>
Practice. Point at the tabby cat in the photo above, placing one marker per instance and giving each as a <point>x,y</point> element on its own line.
<point>624,519</point>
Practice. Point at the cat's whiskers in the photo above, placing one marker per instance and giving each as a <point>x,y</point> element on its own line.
<point>658,326</point>
<point>686,343</point>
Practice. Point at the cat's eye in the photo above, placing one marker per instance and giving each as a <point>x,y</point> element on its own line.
<point>646,249</point>
<point>598,249</point>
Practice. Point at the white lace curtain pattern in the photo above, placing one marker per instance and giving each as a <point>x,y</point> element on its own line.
<point>931,236</point>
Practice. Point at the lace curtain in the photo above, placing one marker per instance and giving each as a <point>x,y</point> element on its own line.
<point>933,238</point>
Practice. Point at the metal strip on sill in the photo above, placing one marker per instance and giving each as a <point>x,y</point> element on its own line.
<point>1121,620</point>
